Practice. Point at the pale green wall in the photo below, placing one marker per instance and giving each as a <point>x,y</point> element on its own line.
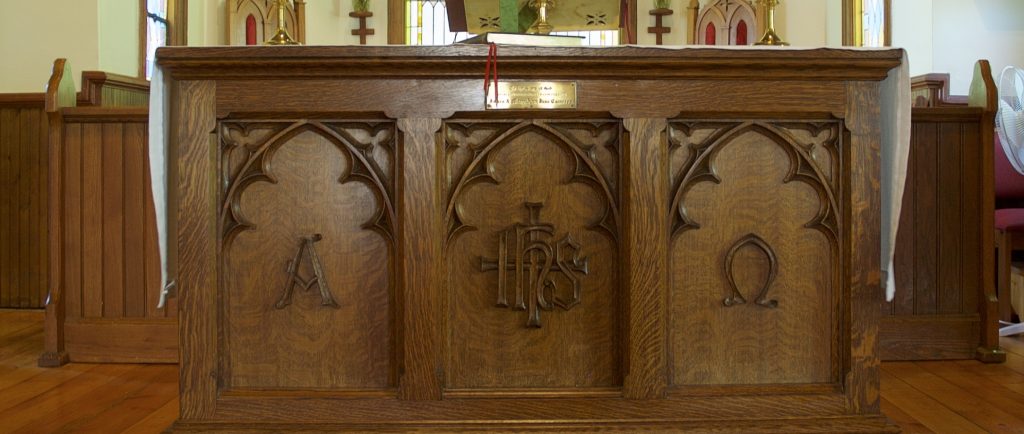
<point>119,36</point>
<point>964,31</point>
<point>34,33</point>
<point>912,31</point>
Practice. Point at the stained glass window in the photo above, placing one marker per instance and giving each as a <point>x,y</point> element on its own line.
<point>156,31</point>
<point>427,24</point>
<point>872,23</point>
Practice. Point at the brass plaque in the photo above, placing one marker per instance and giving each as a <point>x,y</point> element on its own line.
<point>532,95</point>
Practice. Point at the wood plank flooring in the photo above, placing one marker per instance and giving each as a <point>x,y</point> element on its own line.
<point>921,397</point>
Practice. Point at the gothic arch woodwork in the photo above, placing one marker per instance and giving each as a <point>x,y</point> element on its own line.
<point>813,150</point>
<point>765,197</point>
<point>727,22</point>
<point>260,16</point>
<point>468,147</point>
<point>248,149</point>
<point>532,218</point>
<point>302,205</point>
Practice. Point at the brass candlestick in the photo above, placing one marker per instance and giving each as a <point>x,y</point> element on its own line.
<point>770,37</point>
<point>541,27</point>
<point>281,37</point>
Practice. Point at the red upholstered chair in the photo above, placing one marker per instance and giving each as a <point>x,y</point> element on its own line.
<point>1009,219</point>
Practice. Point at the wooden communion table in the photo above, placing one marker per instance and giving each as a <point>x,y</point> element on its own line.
<point>690,241</point>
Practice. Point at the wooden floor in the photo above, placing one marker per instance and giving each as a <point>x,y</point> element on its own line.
<point>943,397</point>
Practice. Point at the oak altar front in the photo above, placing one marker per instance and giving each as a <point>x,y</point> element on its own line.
<point>363,246</point>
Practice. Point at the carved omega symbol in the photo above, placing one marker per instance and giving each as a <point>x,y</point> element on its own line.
<point>326,299</point>
<point>735,297</point>
<point>526,251</point>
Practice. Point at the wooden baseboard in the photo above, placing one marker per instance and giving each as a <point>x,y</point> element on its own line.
<point>122,340</point>
<point>929,337</point>
<point>844,424</point>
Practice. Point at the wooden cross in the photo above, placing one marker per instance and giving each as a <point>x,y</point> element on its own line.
<point>362,31</point>
<point>658,29</point>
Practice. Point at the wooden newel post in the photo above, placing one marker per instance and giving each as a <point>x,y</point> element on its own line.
<point>658,29</point>
<point>362,31</point>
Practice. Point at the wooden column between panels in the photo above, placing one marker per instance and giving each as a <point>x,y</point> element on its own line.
<point>866,293</point>
<point>195,115</point>
<point>419,258</point>
<point>646,257</point>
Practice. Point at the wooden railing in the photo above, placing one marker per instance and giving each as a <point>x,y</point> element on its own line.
<point>105,268</point>
<point>24,157</point>
<point>944,249</point>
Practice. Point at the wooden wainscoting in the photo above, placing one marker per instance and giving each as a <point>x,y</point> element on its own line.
<point>104,89</point>
<point>941,247</point>
<point>24,157</point>
<point>106,268</point>
<point>23,160</point>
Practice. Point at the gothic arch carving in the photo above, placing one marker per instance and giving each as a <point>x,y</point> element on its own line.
<point>478,168</point>
<point>247,155</point>
<point>700,167</point>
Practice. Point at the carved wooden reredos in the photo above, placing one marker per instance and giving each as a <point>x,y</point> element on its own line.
<point>251,21</point>
<point>726,22</point>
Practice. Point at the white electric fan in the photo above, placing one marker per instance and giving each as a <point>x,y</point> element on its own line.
<point>1010,127</point>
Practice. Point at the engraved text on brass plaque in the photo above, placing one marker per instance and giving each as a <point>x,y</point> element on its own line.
<point>533,95</point>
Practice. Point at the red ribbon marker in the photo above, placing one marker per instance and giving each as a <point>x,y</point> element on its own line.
<point>492,64</point>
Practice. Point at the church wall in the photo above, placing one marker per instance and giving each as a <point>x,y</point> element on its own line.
<point>34,33</point>
<point>834,23</point>
<point>912,31</point>
<point>328,23</point>
<point>802,23</point>
<point>964,31</point>
<point>119,36</point>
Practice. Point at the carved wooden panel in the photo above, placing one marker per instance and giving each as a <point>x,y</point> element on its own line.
<point>292,220</point>
<point>755,251</point>
<point>533,227</point>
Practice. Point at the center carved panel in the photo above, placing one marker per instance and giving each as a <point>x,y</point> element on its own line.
<point>533,228</point>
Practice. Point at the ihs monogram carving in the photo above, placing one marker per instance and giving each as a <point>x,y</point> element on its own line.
<point>736,297</point>
<point>307,250</point>
<point>528,251</point>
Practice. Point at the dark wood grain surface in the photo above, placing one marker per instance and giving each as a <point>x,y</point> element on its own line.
<point>23,201</point>
<point>944,247</point>
<point>528,270</point>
